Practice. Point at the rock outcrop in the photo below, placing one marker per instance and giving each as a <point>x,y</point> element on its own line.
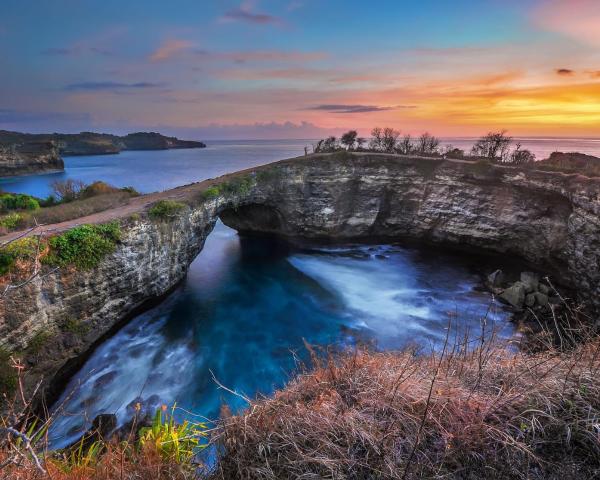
<point>90,143</point>
<point>29,158</point>
<point>550,220</point>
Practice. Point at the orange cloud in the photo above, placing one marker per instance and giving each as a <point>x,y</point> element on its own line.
<point>169,49</point>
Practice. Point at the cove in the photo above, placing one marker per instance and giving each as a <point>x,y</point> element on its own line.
<point>245,309</point>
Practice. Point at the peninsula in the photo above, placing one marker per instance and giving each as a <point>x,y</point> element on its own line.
<point>26,153</point>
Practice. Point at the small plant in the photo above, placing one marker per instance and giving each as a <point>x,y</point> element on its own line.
<point>164,209</point>
<point>83,246</point>
<point>10,221</point>
<point>211,192</point>
<point>38,341</point>
<point>76,327</point>
<point>238,186</point>
<point>23,249</point>
<point>173,441</point>
<point>8,376</point>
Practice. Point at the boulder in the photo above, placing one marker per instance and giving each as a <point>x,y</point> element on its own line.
<point>514,295</point>
<point>545,289</point>
<point>541,298</point>
<point>530,280</point>
<point>495,279</point>
<point>530,300</point>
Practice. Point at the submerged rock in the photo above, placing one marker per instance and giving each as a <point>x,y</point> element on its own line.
<point>495,279</point>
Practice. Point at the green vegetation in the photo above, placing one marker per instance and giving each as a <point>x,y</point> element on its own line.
<point>164,209</point>
<point>37,342</point>
<point>83,246</point>
<point>76,327</point>
<point>11,221</point>
<point>22,249</point>
<point>18,201</point>
<point>238,185</point>
<point>8,376</point>
<point>211,192</point>
<point>173,442</point>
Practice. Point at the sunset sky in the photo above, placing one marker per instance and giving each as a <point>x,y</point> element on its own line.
<point>301,68</point>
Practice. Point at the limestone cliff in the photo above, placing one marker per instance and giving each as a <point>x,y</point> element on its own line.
<point>28,158</point>
<point>549,219</point>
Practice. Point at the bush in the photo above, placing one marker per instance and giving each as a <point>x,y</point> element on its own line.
<point>83,246</point>
<point>23,249</point>
<point>11,221</point>
<point>8,376</point>
<point>237,185</point>
<point>164,209</point>
<point>211,192</point>
<point>18,201</point>
<point>67,190</point>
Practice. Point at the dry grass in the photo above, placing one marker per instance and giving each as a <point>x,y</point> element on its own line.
<point>71,210</point>
<point>483,413</point>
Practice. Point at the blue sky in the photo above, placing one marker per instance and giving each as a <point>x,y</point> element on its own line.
<point>299,68</point>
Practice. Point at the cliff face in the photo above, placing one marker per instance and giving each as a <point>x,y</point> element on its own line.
<point>549,219</point>
<point>28,158</point>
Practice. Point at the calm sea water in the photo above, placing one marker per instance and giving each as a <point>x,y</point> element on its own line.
<point>247,305</point>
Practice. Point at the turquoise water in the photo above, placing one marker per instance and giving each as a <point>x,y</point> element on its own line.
<point>248,305</point>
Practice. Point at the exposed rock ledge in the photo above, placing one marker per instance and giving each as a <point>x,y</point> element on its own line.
<point>29,158</point>
<point>549,219</point>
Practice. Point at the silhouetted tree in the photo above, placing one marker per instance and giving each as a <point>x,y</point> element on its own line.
<point>405,146</point>
<point>494,146</point>
<point>427,144</point>
<point>349,139</point>
<point>521,157</point>
<point>360,141</point>
<point>453,152</point>
<point>376,142</point>
<point>389,139</point>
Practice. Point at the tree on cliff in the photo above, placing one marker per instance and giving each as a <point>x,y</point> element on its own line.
<point>521,156</point>
<point>384,140</point>
<point>428,144</point>
<point>349,139</point>
<point>494,146</point>
<point>405,146</point>
<point>328,145</point>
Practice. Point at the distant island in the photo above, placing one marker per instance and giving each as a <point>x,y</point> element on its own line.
<point>27,153</point>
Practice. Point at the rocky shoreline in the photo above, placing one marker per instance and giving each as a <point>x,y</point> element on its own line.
<point>548,219</point>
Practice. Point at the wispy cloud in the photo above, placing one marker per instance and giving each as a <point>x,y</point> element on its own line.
<point>77,50</point>
<point>578,19</point>
<point>169,49</point>
<point>109,86</point>
<point>341,108</point>
<point>244,13</point>
<point>565,72</point>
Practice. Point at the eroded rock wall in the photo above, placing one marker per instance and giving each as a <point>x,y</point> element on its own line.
<point>29,158</point>
<point>549,219</point>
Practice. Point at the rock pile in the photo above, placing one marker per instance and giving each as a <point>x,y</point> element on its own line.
<point>528,292</point>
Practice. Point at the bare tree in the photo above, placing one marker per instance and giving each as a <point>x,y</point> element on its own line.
<point>360,141</point>
<point>376,142</point>
<point>428,144</point>
<point>521,156</point>
<point>494,146</point>
<point>67,190</point>
<point>390,139</point>
<point>405,146</point>
<point>327,145</point>
<point>349,139</point>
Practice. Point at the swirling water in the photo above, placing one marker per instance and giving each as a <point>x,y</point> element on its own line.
<point>248,304</point>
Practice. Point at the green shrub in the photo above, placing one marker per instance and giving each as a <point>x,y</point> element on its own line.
<point>172,441</point>
<point>12,220</point>
<point>268,174</point>
<point>18,201</point>
<point>76,327</point>
<point>22,249</point>
<point>238,185</point>
<point>8,376</point>
<point>83,246</point>
<point>37,342</point>
<point>165,209</point>
<point>211,192</point>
